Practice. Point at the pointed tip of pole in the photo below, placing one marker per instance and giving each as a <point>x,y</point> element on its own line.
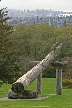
<point>61,44</point>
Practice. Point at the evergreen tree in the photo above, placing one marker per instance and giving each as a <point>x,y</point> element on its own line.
<point>8,67</point>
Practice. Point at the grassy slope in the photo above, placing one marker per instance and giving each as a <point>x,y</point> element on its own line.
<point>48,87</point>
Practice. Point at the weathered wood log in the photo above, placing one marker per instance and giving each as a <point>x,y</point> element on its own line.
<point>58,81</point>
<point>22,83</point>
<point>26,94</point>
<point>12,95</point>
<point>33,63</point>
<point>55,64</point>
<point>58,64</point>
<point>29,94</point>
<point>39,84</point>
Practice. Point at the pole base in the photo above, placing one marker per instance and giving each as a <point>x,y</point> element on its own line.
<point>27,94</point>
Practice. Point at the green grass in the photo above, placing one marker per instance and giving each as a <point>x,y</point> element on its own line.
<point>48,87</point>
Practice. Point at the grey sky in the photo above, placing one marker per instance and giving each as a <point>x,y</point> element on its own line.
<point>62,5</point>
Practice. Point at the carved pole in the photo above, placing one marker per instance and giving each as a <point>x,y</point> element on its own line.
<point>22,83</point>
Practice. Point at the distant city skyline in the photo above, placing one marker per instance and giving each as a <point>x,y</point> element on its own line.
<point>58,5</point>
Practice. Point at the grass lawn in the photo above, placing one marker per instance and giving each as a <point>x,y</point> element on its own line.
<point>48,87</point>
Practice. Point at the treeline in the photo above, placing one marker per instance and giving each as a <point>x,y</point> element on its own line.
<point>33,42</point>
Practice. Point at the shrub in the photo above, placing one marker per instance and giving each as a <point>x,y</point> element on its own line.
<point>49,73</point>
<point>67,83</point>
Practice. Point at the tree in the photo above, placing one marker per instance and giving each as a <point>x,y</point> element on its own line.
<point>8,67</point>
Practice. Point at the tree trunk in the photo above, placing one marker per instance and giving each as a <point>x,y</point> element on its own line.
<point>22,83</point>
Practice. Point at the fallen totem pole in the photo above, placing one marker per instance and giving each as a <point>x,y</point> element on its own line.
<point>18,89</point>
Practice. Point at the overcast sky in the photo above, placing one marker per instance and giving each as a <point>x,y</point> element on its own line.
<point>61,5</point>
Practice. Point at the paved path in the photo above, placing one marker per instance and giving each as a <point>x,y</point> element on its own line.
<point>39,98</point>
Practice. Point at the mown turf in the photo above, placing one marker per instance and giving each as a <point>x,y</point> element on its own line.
<point>48,88</point>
